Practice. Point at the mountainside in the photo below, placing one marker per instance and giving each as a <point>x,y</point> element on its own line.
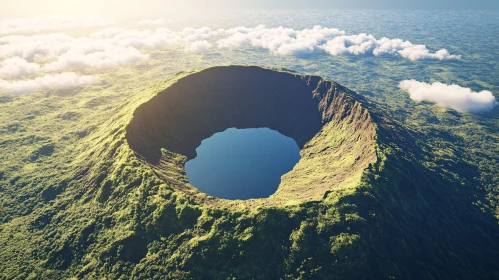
<point>335,133</point>
<point>362,203</point>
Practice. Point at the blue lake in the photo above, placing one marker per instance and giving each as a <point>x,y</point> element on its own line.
<point>242,163</point>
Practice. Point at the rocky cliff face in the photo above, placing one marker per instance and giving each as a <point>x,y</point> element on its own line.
<point>366,201</point>
<point>326,120</point>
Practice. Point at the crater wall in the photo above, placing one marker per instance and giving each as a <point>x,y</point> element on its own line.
<point>332,129</point>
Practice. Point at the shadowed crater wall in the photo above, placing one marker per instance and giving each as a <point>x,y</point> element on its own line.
<point>332,129</point>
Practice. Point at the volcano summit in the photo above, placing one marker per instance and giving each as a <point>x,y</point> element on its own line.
<point>366,200</point>
<point>327,121</point>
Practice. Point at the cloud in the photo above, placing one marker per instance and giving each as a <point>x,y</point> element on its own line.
<point>279,40</point>
<point>146,21</point>
<point>61,51</point>
<point>49,23</point>
<point>295,48</point>
<point>368,44</point>
<point>353,44</point>
<point>104,49</point>
<point>106,59</point>
<point>189,34</point>
<point>28,55</point>
<point>288,41</point>
<point>418,52</point>
<point>148,39</point>
<point>199,46</point>
<point>36,47</point>
<point>65,80</point>
<point>453,96</point>
<point>17,68</point>
<point>153,39</point>
<point>112,47</point>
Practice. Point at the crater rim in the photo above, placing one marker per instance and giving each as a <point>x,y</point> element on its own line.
<point>335,134</point>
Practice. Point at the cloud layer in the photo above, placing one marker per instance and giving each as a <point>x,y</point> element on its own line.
<point>26,55</point>
<point>453,96</point>
<point>65,80</point>
<point>113,47</point>
<point>287,41</point>
<point>280,40</point>
<point>17,67</point>
<point>199,46</point>
<point>77,58</point>
<point>104,49</point>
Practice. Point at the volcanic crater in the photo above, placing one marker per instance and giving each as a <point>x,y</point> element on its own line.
<point>334,131</point>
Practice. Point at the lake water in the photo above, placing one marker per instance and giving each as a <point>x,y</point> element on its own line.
<point>242,163</point>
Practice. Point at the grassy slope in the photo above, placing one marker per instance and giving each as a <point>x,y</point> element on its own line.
<point>416,212</point>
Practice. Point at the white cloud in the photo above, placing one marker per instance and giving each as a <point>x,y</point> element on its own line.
<point>287,41</point>
<point>17,68</point>
<point>280,40</point>
<point>36,47</point>
<point>147,21</point>
<point>149,39</point>
<point>65,80</point>
<point>189,34</point>
<point>353,44</point>
<point>28,55</point>
<point>295,48</point>
<point>199,46</point>
<point>368,44</point>
<point>106,59</point>
<point>453,96</point>
<point>113,47</point>
<point>418,52</point>
<point>104,49</point>
<point>49,23</point>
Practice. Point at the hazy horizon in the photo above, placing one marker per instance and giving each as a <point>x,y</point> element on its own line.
<point>147,8</point>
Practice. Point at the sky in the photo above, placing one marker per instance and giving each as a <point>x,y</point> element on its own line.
<point>130,8</point>
<point>56,44</point>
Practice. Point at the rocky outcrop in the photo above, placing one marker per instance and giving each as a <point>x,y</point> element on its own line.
<point>327,121</point>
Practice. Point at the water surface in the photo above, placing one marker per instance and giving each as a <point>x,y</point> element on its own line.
<point>242,163</point>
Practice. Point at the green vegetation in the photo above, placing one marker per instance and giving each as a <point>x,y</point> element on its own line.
<point>76,201</point>
<point>335,132</point>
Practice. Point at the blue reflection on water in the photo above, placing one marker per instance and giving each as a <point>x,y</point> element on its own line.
<point>242,163</point>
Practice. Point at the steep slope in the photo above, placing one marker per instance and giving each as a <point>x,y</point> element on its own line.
<point>367,206</point>
<point>334,132</point>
